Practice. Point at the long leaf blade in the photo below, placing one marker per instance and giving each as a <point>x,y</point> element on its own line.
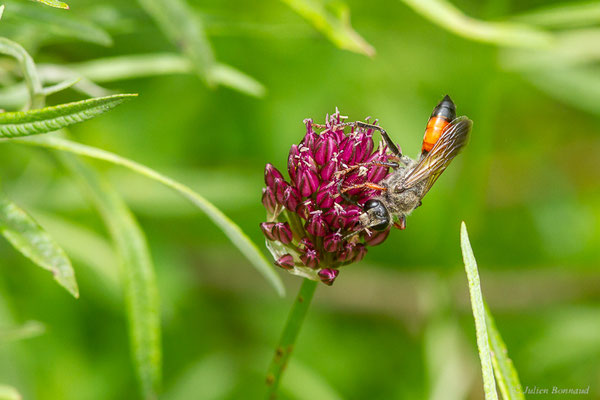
<point>55,22</point>
<point>446,15</point>
<point>179,22</point>
<point>483,342</point>
<point>336,28</point>
<point>230,228</point>
<point>28,237</point>
<point>16,124</point>
<point>54,3</point>
<point>141,291</point>
<point>504,369</point>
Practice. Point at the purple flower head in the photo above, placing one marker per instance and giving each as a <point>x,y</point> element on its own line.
<point>310,226</point>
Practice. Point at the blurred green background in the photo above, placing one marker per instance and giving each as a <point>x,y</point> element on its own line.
<point>395,326</point>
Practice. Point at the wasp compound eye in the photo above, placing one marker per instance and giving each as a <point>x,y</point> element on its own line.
<point>378,211</point>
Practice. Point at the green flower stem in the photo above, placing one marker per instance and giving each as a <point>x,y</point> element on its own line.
<point>288,337</point>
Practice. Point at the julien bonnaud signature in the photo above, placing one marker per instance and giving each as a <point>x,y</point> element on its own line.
<point>555,390</point>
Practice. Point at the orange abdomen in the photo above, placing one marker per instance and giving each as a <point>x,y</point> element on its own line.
<point>434,129</point>
<point>441,116</point>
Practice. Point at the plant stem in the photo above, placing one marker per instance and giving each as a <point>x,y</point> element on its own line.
<point>288,336</point>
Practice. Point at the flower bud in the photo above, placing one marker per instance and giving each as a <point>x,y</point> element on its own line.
<point>328,275</point>
<point>333,242</point>
<point>325,148</point>
<point>268,200</point>
<point>306,181</point>
<point>376,237</point>
<point>291,198</point>
<point>267,230</point>
<point>286,262</point>
<point>310,258</point>
<point>316,224</point>
<point>282,232</point>
<point>271,173</point>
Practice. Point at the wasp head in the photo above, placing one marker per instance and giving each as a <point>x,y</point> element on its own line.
<point>375,216</point>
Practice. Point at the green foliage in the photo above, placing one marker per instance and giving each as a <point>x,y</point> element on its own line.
<point>446,15</point>
<point>9,393</point>
<point>527,183</point>
<point>30,239</point>
<point>492,350</point>
<point>26,63</point>
<point>230,228</point>
<point>483,342</point>
<point>56,23</point>
<point>16,124</point>
<point>139,281</point>
<point>54,3</point>
<point>334,24</point>
<point>29,329</point>
<point>504,369</point>
<point>179,22</point>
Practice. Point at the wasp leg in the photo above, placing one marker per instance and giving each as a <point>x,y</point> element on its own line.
<point>367,185</point>
<point>389,164</point>
<point>384,134</point>
<point>401,224</point>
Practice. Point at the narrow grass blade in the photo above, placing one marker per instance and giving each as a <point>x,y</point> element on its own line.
<point>563,15</point>
<point>9,393</point>
<point>60,86</point>
<point>446,15</point>
<point>15,124</point>
<point>30,239</point>
<point>55,22</point>
<point>1,11</point>
<point>54,3</point>
<point>185,29</point>
<point>29,329</point>
<point>112,69</point>
<point>232,78</point>
<point>141,292</point>
<point>336,28</point>
<point>34,84</point>
<point>230,228</point>
<point>504,369</point>
<point>483,341</point>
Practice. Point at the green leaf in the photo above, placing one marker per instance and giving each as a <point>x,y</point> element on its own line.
<point>141,292</point>
<point>34,84</point>
<point>28,330</point>
<point>9,393</point>
<point>15,124</point>
<point>143,65</point>
<point>57,23</point>
<point>60,86</point>
<point>230,228</point>
<point>337,28</point>
<point>54,3</point>
<point>232,78</point>
<point>483,342</point>
<point>563,15</point>
<point>446,15</point>
<point>504,369</point>
<point>185,29</point>
<point>30,239</point>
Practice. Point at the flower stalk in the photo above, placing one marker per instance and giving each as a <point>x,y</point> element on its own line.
<point>290,332</point>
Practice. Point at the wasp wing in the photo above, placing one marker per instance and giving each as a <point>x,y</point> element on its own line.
<point>453,139</point>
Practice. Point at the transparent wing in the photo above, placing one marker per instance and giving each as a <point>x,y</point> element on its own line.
<point>450,143</point>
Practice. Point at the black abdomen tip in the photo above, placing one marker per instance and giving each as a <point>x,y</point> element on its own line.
<point>445,109</point>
